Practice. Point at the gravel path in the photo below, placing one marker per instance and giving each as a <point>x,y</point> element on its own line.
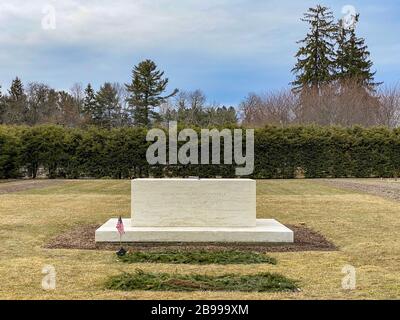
<point>22,185</point>
<point>389,189</point>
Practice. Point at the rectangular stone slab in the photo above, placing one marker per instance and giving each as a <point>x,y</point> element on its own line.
<point>266,230</point>
<point>193,203</point>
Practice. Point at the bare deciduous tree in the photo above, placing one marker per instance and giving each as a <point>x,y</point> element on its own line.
<point>343,103</point>
<point>269,108</point>
<point>389,107</point>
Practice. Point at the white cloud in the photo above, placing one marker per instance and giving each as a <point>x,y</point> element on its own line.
<point>203,43</point>
<point>218,26</point>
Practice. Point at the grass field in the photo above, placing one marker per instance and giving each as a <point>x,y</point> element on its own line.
<point>366,228</point>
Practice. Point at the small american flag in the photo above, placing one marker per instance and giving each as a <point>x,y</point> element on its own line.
<point>120,226</point>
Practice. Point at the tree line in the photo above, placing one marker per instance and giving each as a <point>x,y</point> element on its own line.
<point>142,102</point>
<point>334,85</point>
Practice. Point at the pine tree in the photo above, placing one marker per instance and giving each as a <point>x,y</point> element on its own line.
<point>16,90</point>
<point>107,106</point>
<point>341,57</point>
<point>316,58</point>
<point>17,108</point>
<point>89,103</point>
<point>352,58</point>
<point>145,92</point>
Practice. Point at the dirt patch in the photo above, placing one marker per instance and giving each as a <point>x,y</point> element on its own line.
<point>82,237</point>
<point>22,185</point>
<point>388,189</point>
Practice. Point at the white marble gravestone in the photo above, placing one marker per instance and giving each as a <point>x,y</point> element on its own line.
<point>193,203</point>
<point>194,210</point>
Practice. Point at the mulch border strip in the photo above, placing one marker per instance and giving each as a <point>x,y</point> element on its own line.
<point>82,237</point>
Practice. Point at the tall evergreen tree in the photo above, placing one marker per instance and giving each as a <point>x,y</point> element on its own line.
<point>16,90</point>
<point>89,103</point>
<point>341,56</point>
<point>316,57</point>
<point>17,108</point>
<point>353,58</point>
<point>107,106</point>
<point>145,92</point>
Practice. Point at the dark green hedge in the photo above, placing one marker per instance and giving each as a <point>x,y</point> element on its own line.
<point>308,151</point>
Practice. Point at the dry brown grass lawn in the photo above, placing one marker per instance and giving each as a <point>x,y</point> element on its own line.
<point>366,229</point>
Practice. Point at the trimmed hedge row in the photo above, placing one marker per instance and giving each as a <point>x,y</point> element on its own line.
<point>301,151</point>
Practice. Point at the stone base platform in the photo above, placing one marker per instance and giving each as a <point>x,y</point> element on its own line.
<point>266,230</point>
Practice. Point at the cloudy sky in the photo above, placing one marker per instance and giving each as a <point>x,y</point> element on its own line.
<point>227,48</point>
